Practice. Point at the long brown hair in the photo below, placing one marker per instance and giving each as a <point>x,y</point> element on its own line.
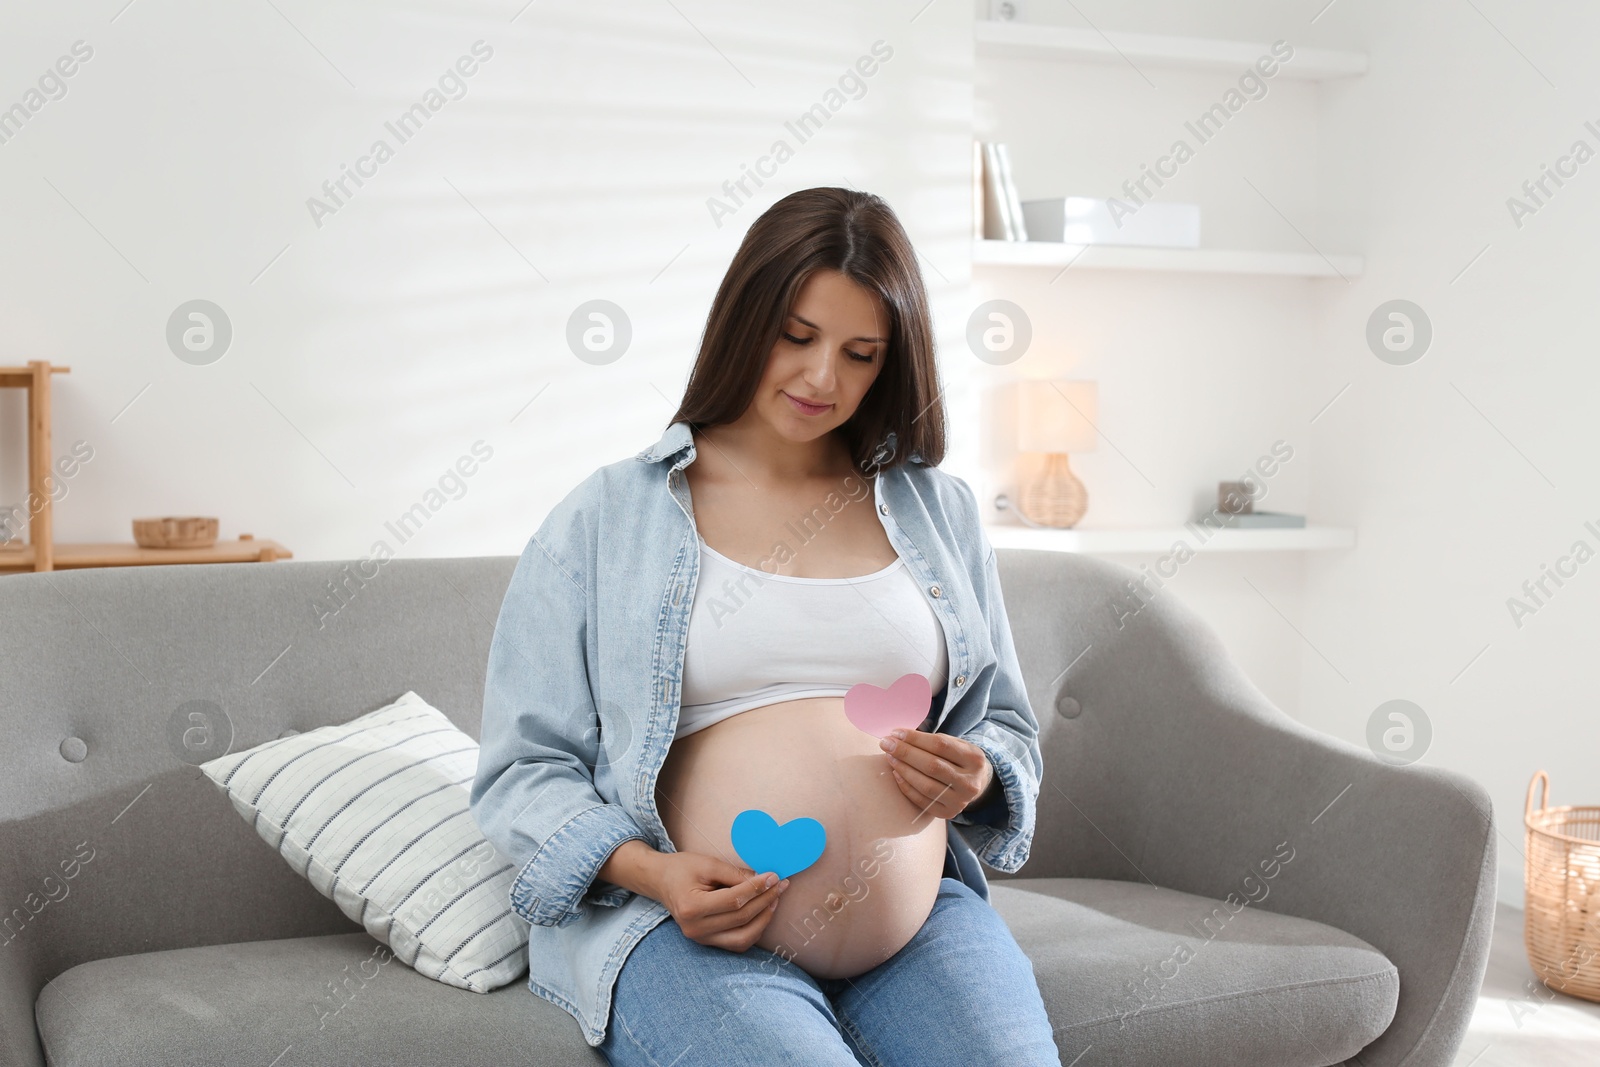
<point>856,234</point>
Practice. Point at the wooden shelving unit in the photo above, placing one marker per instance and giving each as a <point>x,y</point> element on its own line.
<point>35,378</point>
<point>42,553</point>
<point>246,549</point>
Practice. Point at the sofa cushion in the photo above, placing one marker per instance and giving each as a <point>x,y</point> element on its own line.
<point>1262,988</point>
<point>335,1000</point>
<point>1133,974</point>
<point>374,813</point>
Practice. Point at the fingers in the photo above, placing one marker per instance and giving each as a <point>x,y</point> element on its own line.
<point>935,795</point>
<point>957,751</point>
<point>938,756</point>
<point>742,927</point>
<point>723,873</point>
<point>740,938</point>
<point>748,901</point>
<point>737,896</point>
<point>728,909</point>
<point>736,928</point>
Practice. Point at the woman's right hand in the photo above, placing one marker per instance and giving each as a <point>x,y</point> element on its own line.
<point>715,902</point>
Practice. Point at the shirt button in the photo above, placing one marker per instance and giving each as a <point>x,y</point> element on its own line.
<point>961,679</point>
<point>934,590</point>
<point>883,509</point>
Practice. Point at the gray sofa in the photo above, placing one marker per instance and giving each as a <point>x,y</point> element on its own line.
<point>145,923</point>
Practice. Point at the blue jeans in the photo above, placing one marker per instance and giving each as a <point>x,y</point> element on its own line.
<point>960,993</point>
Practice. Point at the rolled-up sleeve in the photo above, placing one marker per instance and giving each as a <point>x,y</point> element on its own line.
<point>534,795</point>
<point>1001,832</point>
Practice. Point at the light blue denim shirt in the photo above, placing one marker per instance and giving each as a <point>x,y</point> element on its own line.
<point>585,668</point>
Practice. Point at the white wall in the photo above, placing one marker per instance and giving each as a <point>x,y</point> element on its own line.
<point>428,312</point>
<point>1467,470</point>
<point>432,307</point>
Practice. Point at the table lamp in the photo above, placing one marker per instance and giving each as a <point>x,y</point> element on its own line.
<point>1056,418</point>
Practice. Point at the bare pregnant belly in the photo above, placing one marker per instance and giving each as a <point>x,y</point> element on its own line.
<point>879,873</point>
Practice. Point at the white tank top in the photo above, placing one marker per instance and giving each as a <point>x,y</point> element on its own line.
<point>757,638</point>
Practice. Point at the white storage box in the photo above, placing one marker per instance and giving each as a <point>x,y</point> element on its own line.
<point>1087,220</point>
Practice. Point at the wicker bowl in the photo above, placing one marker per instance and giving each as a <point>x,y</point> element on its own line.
<point>187,531</point>
<point>1562,917</point>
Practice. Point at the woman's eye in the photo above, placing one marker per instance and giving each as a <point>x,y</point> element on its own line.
<point>857,356</point>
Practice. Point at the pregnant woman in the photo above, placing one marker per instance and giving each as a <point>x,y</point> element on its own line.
<point>675,647</point>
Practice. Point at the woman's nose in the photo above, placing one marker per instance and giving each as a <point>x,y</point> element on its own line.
<point>822,371</point>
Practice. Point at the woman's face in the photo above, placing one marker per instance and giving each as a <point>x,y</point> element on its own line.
<point>829,351</point>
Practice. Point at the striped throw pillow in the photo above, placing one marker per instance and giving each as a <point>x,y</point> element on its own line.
<point>374,814</point>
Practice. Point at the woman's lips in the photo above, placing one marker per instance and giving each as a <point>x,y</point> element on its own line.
<point>807,409</point>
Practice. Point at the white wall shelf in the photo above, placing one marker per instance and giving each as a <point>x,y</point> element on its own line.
<point>1035,41</point>
<point>1201,260</point>
<point>1158,539</point>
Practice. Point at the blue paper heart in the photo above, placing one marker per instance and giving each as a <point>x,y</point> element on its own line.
<point>784,850</point>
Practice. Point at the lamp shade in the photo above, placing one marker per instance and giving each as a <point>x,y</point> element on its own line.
<point>1057,416</point>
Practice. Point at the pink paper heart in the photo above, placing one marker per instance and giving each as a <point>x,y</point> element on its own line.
<point>877,711</point>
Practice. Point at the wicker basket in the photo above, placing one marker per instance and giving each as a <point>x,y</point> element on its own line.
<point>1562,916</point>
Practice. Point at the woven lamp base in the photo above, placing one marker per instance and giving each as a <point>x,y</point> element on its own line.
<point>1055,496</point>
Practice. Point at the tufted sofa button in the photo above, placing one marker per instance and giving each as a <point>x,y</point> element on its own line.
<point>73,750</point>
<point>1067,707</point>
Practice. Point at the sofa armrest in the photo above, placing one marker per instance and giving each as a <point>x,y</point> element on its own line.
<point>20,971</point>
<point>19,1036</point>
<point>1163,763</point>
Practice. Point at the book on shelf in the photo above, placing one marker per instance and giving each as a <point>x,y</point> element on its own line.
<point>1002,208</point>
<point>1019,228</point>
<point>978,211</point>
<point>996,226</point>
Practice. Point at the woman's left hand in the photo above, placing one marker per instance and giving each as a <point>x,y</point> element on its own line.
<point>939,773</point>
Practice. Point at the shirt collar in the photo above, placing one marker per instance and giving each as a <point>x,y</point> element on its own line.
<point>675,440</point>
<point>678,437</point>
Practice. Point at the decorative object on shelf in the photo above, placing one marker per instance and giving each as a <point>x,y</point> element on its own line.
<point>1235,498</point>
<point>1055,418</point>
<point>175,532</point>
<point>1002,210</point>
<point>1088,220</point>
<point>1561,920</point>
